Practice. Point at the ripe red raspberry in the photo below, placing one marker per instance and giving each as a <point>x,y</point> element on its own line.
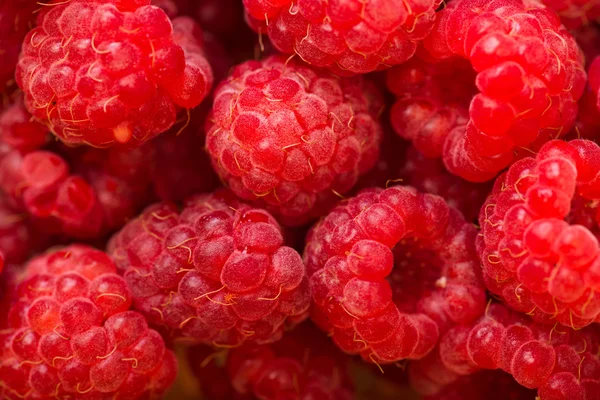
<point>17,129</point>
<point>348,37</point>
<point>539,243</point>
<point>390,270</point>
<point>575,13</point>
<point>303,365</point>
<point>560,362</point>
<point>529,73</point>
<point>72,334</point>
<point>106,72</point>
<point>15,20</point>
<point>292,138</point>
<point>594,79</point>
<point>215,272</point>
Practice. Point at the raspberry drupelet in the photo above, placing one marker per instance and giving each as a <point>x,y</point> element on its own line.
<point>302,365</point>
<point>391,270</point>
<point>292,138</point>
<point>346,36</point>
<point>530,74</point>
<point>106,72</point>
<point>560,362</point>
<point>17,129</point>
<point>575,13</point>
<point>215,272</point>
<point>71,334</point>
<point>539,234</point>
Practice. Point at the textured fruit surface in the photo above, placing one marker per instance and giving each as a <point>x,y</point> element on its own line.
<point>575,13</point>
<point>530,74</point>
<point>215,272</point>
<point>292,138</point>
<point>71,334</point>
<point>18,131</point>
<point>560,362</point>
<point>347,36</point>
<point>390,270</point>
<point>540,228</point>
<point>103,73</point>
<point>303,365</point>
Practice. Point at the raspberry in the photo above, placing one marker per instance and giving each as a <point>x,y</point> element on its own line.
<point>529,73</point>
<point>291,138</point>
<point>215,272</point>
<point>72,334</point>
<point>109,72</point>
<point>575,13</point>
<point>391,269</point>
<point>17,129</point>
<point>539,242</point>
<point>300,366</point>
<point>348,37</point>
<point>560,362</point>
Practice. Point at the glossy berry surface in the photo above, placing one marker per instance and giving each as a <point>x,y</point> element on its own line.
<point>292,138</point>
<point>391,270</point>
<point>103,73</point>
<point>348,37</point>
<point>215,272</point>
<point>71,334</point>
<point>560,362</point>
<point>540,228</point>
<point>530,74</point>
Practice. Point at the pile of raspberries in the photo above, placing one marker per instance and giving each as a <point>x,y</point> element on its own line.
<point>300,199</point>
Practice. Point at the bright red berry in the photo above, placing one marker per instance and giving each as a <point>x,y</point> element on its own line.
<point>530,75</point>
<point>390,270</point>
<point>215,272</point>
<point>539,244</point>
<point>17,129</point>
<point>292,138</point>
<point>72,334</point>
<point>348,37</point>
<point>109,72</point>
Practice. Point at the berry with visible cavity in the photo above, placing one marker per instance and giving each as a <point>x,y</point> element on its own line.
<point>291,138</point>
<point>391,270</point>
<point>215,272</point>
<point>72,334</point>
<point>348,37</point>
<point>103,73</point>
<point>540,230</point>
<point>529,75</point>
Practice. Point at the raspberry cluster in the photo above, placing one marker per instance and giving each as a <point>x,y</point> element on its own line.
<point>575,13</point>
<point>561,363</point>
<point>215,272</point>
<point>530,75</point>
<point>391,270</point>
<point>71,334</point>
<point>103,73</point>
<point>539,234</point>
<point>292,138</point>
<point>347,37</point>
